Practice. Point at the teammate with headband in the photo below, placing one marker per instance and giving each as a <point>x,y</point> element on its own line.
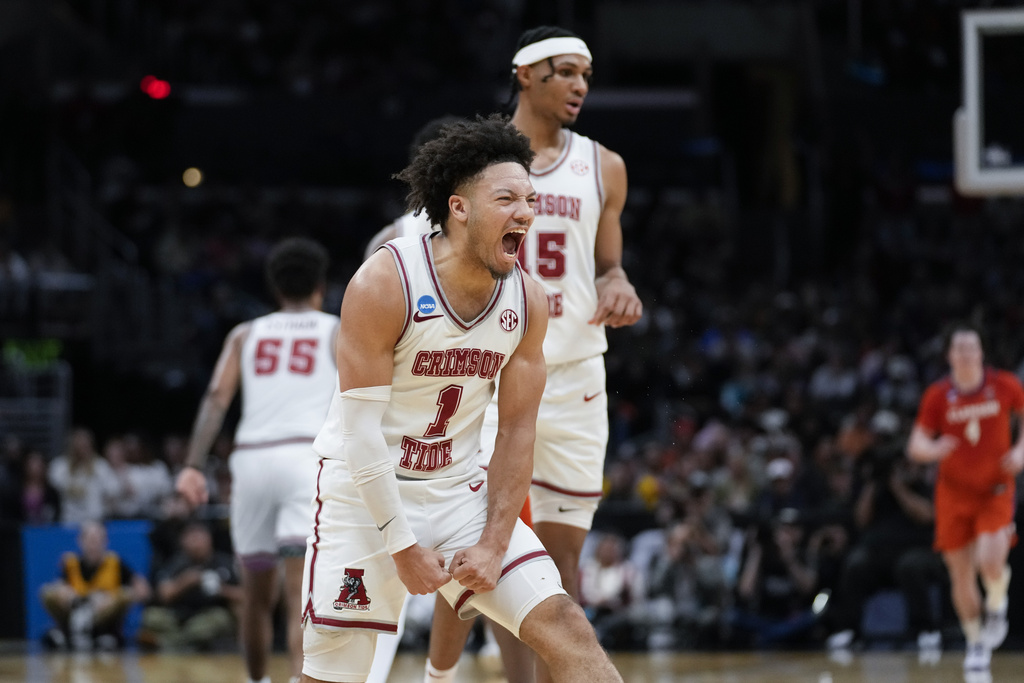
<point>575,252</point>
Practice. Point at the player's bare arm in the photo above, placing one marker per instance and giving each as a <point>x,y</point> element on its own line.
<point>191,482</point>
<point>372,317</point>
<point>508,476</point>
<point>617,302</point>
<point>1013,461</point>
<point>925,448</point>
<point>334,344</point>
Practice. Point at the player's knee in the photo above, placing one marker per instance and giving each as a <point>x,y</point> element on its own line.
<point>991,565</point>
<point>330,655</point>
<point>554,624</point>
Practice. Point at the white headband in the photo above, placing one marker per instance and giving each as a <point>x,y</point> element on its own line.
<point>550,47</point>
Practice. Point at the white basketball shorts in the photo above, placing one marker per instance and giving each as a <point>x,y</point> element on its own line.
<point>350,582</point>
<point>572,437</point>
<point>271,490</point>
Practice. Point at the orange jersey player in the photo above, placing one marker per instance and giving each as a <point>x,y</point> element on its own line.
<point>964,424</point>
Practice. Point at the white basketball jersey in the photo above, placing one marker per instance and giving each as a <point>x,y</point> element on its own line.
<point>445,367</point>
<point>410,225</point>
<point>288,377</point>
<point>559,249</point>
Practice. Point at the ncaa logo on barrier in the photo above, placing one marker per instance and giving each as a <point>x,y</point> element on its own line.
<point>509,320</point>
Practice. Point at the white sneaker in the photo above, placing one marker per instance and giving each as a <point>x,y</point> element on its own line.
<point>978,657</point>
<point>993,632</point>
<point>929,640</point>
<point>978,676</point>
<point>840,640</point>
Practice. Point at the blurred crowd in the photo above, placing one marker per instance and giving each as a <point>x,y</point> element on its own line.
<point>756,428</point>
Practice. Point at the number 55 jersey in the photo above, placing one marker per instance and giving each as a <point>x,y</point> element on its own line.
<point>288,378</point>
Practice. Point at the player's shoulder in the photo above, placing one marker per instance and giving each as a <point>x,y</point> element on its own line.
<point>412,225</point>
<point>607,155</point>
<point>938,389</point>
<point>1005,378</point>
<point>377,278</point>
<point>240,332</point>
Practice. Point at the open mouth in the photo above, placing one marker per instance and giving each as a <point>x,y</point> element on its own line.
<point>511,240</point>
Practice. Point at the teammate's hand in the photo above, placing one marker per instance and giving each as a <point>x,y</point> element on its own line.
<point>943,446</point>
<point>476,568</point>
<point>617,302</point>
<point>421,569</point>
<point>1013,461</point>
<point>191,484</point>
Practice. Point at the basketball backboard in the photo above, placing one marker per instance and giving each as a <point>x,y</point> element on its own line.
<point>988,128</point>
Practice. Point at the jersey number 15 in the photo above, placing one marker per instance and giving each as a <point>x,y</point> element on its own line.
<point>550,255</point>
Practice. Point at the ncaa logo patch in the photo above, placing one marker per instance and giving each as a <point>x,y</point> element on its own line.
<point>509,320</point>
<point>426,305</point>
<point>579,167</point>
<point>352,594</point>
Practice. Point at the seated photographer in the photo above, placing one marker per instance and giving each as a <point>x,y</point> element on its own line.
<point>198,595</point>
<point>776,587</point>
<point>894,514</point>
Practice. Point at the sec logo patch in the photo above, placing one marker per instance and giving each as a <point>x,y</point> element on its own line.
<point>509,320</point>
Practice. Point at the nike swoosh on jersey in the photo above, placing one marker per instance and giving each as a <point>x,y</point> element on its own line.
<point>590,397</point>
<point>381,528</point>
<point>417,318</point>
<point>475,487</point>
<point>562,508</point>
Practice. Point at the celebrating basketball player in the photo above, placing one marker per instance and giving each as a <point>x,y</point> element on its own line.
<point>402,503</point>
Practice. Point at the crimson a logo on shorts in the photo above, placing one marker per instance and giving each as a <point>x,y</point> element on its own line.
<point>352,594</point>
<point>509,320</point>
<point>579,167</point>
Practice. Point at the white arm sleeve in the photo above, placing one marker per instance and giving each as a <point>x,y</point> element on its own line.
<point>352,433</point>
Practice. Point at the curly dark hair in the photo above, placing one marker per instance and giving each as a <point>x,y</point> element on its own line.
<point>529,37</point>
<point>296,267</point>
<point>460,152</point>
<point>428,131</point>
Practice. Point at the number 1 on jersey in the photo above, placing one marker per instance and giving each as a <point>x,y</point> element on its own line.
<point>447,403</point>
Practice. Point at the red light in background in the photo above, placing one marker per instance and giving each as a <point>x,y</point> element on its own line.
<point>154,87</point>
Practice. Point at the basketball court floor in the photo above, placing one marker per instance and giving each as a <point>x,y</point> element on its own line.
<point>742,667</point>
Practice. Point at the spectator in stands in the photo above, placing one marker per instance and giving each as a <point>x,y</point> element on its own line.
<point>144,481</point>
<point>776,585</point>
<point>31,499</point>
<point>94,591</point>
<point>685,590</point>
<point>895,516</point>
<point>610,589</point>
<point>198,596</point>
<point>87,485</point>
<point>781,491</point>
<point>12,453</point>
